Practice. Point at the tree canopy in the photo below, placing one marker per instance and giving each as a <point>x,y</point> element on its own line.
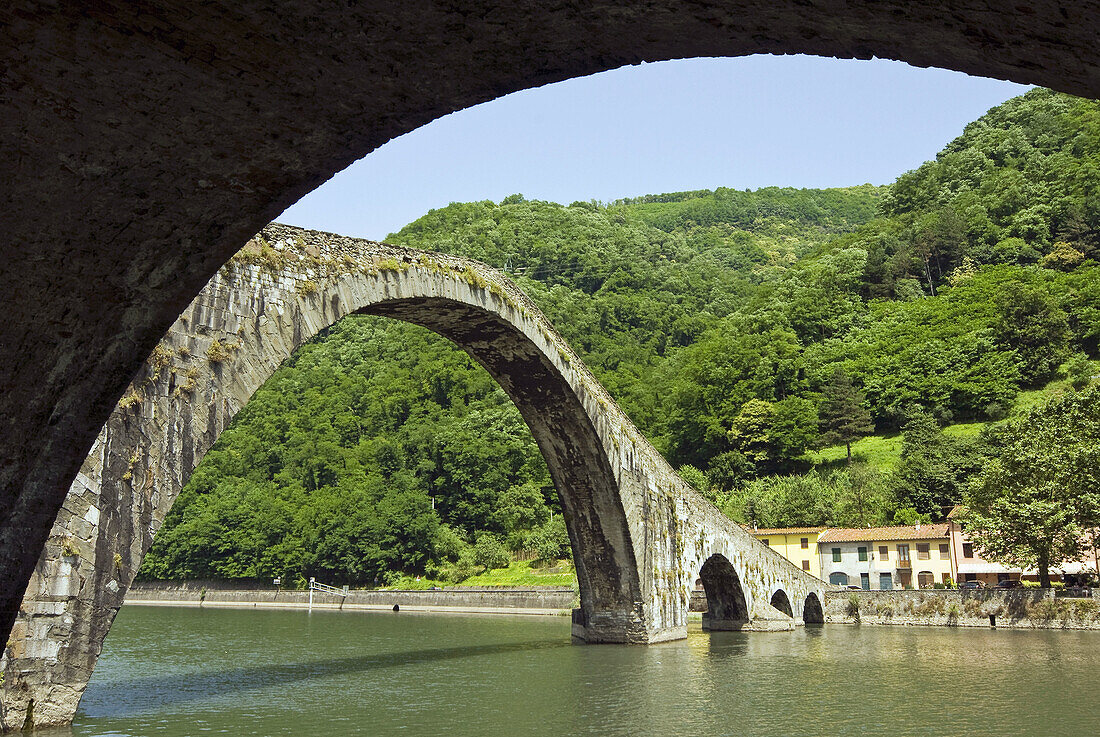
<point>1034,501</point>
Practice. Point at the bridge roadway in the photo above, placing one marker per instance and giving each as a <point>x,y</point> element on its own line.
<point>641,537</point>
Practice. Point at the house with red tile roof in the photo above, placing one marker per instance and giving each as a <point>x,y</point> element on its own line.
<point>883,558</point>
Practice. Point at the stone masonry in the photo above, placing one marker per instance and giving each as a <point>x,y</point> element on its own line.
<point>640,536</point>
<point>142,144</point>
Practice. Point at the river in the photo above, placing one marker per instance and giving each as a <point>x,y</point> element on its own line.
<point>179,671</point>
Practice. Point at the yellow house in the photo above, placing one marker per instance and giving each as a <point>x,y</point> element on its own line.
<point>796,544</point>
<point>901,557</point>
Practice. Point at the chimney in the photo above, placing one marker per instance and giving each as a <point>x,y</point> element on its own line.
<point>918,527</point>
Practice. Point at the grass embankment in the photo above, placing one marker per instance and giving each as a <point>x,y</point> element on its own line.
<point>518,573</point>
<point>882,452</point>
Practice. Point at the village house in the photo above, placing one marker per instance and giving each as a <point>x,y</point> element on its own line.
<point>796,544</point>
<point>970,566</point>
<point>884,558</point>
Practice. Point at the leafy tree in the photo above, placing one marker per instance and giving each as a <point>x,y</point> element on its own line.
<point>843,413</point>
<point>863,499</point>
<point>490,552</point>
<point>1077,370</point>
<point>551,540</point>
<point>519,509</point>
<point>697,480</point>
<point>1031,504</point>
<point>1032,323</point>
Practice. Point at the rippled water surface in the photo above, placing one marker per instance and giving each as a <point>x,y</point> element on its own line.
<point>176,671</point>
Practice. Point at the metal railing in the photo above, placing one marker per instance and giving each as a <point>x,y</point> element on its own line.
<point>326,589</point>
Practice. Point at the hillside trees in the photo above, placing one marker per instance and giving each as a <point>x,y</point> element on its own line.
<point>932,473</point>
<point>719,321</point>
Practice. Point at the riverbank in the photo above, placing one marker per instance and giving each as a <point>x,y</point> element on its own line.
<point>539,601</point>
<point>1008,608</point>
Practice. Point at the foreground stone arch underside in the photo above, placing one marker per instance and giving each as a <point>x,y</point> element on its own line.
<point>144,143</point>
<point>639,534</point>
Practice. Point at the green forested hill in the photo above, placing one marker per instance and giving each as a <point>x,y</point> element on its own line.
<point>720,321</point>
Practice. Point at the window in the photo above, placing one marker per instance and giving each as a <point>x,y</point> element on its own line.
<point>968,550</point>
<point>945,551</point>
<point>805,543</point>
<point>923,551</point>
<point>838,579</point>
<point>765,541</point>
<point>836,555</point>
<point>805,565</point>
<point>862,552</point>
<point>883,552</point>
<point>903,553</point>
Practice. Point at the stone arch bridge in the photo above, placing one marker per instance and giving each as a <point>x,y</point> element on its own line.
<point>641,537</point>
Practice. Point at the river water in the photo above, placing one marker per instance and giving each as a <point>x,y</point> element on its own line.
<point>178,671</point>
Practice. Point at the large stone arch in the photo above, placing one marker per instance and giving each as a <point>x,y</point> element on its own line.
<point>639,534</point>
<point>145,143</point>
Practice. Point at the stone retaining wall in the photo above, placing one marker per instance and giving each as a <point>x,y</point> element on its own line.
<point>1019,608</point>
<point>548,600</point>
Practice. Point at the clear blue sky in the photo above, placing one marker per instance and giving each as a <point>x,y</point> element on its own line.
<point>695,124</point>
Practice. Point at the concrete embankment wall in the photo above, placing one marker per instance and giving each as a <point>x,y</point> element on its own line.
<point>1018,608</point>
<point>534,600</point>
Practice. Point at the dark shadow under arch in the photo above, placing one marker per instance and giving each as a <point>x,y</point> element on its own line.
<point>727,608</point>
<point>782,602</point>
<point>812,613</point>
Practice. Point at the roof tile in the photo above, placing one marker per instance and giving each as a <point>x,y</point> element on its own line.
<point>872,534</point>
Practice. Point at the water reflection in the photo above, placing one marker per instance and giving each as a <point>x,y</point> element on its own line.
<point>182,671</point>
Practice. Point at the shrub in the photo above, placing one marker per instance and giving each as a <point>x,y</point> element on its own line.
<point>132,399</point>
<point>450,543</point>
<point>219,352</point>
<point>929,607</point>
<point>853,606</point>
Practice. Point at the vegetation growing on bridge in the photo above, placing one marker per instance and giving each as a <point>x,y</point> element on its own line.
<point>719,321</point>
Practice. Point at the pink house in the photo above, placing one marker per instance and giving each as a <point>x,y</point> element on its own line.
<point>967,565</point>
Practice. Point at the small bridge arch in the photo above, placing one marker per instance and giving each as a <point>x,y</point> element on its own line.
<point>781,602</point>
<point>812,611</point>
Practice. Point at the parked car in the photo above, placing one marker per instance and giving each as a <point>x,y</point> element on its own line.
<point>971,585</point>
<point>1009,584</point>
